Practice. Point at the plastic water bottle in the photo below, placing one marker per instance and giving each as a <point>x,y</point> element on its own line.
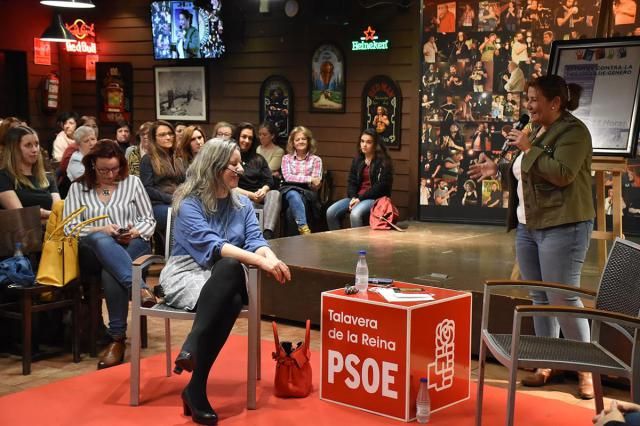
<point>362,272</point>
<point>423,403</point>
<point>18,251</point>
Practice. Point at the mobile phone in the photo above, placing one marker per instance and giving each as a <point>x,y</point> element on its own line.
<point>382,282</point>
<point>407,290</point>
<point>123,231</point>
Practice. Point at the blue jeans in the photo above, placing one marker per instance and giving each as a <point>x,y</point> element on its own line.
<point>115,261</point>
<point>160,212</point>
<point>358,214</point>
<point>556,255</point>
<point>296,204</point>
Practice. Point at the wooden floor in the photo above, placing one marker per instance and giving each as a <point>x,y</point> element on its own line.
<point>466,253</point>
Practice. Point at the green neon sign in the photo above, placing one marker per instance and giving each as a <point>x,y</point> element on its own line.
<point>369,41</point>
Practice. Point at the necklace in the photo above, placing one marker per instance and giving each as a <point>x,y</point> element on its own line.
<point>106,192</point>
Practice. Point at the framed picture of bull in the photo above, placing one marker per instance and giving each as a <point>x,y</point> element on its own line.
<point>327,86</point>
<point>181,93</point>
<point>276,105</point>
<point>382,109</point>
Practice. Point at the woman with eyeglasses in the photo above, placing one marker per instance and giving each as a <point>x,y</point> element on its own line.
<point>193,137</point>
<point>159,172</point>
<point>256,181</point>
<point>215,234</point>
<point>106,188</point>
<point>223,130</point>
<point>23,180</point>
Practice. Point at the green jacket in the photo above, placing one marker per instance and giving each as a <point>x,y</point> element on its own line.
<point>556,177</point>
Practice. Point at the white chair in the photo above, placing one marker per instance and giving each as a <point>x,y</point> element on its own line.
<point>251,312</point>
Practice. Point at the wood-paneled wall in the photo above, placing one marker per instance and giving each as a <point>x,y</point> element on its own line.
<point>262,45</point>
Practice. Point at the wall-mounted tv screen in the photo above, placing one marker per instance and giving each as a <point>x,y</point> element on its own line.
<point>186,29</point>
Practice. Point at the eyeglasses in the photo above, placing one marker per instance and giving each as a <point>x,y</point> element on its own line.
<point>223,134</point>
<point>106,172</point>
<point>164,134</point>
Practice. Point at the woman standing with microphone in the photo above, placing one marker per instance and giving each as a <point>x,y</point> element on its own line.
<point>550,205</point>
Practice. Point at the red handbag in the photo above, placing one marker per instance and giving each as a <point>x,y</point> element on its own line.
<point>384,215</point>
<point>293,369</point>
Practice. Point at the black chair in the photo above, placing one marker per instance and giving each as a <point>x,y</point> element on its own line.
<point>23,225</point>
<point>617,304</point>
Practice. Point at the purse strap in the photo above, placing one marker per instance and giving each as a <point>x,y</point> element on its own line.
<point>275,336</point>
<point>307,337</point>
<point>75,231</point>
<point>67,220</point>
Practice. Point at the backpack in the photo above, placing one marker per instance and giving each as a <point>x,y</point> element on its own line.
<point>384,215</point>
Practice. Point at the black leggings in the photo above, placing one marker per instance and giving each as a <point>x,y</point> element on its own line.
<point>219,305</point>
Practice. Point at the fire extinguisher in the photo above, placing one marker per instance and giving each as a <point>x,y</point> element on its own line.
<point>51,92</point>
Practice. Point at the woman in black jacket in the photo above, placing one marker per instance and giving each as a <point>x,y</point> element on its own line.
<point>370,177</point>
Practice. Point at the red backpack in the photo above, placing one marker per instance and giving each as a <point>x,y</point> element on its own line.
<point>384,215</point>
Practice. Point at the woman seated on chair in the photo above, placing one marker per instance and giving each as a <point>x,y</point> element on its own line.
<point>370,177</point>
<point>256,182</point>
<point>23,180</point>
<point>134,153</point>
<point>215,233</point>
<point>302,174</point>
<point>106,188</point>
<point>271,152</point>
<point>159,172</point>
<point>193,137</point>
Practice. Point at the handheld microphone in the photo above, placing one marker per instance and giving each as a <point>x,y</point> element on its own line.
<point>519,125</point>
<point>234,171</point>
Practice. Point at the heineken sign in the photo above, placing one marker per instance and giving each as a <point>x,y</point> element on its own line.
<point>370,41</point>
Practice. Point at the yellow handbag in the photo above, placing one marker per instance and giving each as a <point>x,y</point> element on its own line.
<point>59,260</point>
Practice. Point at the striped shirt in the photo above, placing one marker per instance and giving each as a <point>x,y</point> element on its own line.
<point>301,170</point>
<point>129,205</point>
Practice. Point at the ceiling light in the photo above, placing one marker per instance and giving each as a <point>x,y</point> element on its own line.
<point>75,4</point>
<point>56,31</point>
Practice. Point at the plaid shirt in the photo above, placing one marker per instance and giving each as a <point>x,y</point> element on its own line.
<point>301,170</point>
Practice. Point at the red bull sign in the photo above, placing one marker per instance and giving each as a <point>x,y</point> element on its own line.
<point>85,37</point>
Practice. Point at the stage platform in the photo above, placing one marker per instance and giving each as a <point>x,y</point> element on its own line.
<point>462,257</point>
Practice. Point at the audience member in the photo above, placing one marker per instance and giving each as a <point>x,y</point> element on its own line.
<point>90,121</point>
<point>23,180</point>
<point>106,188</point>
<point>271,152</point>
<point>68,123</point>
<point>223,130</point>
<point>256,182</point>
<point>134,153</point>
<point>123,135</point>
<point>159,172</point>
<point>302,173</point>
<point>85,138</point>
<point>193,137</point>
<point>370,177</point>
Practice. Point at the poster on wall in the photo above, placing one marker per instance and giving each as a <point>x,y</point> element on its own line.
<point>181,93</point>
<point>276,105</point>
<point>41,52</point>
<point>476,58</point>
<point>114,91</point>
<point>327,86</point>
<point>382,109</point>
<point>608,70</point>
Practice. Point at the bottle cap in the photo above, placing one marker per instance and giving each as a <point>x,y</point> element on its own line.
<point>362,252</point>
<point>18,245</point>
<point>424,380</point>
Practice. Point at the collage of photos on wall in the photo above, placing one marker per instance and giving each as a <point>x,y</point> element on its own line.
<point>476,58</point>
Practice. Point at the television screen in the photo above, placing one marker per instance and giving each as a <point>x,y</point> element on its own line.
<point>185,30</point>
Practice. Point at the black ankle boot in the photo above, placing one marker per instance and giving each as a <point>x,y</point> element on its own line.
<point>204,417</point>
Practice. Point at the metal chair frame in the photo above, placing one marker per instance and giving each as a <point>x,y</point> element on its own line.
<point>250,311</point>
<point>515,351</point>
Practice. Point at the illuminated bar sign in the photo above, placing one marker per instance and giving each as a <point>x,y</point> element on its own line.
<point>370,41</point>
<point>85,37</point>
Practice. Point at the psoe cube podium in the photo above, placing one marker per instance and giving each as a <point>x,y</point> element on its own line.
<point>374,352</point>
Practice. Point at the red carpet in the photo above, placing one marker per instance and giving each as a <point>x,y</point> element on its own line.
<point>102,398</point>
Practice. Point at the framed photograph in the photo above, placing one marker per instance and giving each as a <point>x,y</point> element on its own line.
<point>181,93</point>
<point>609,72</point>
<point>114,87</point>
<point>276,105</point>
<point>327,93</point>
<point>382,109</point>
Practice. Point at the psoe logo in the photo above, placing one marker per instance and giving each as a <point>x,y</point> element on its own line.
<point>442,368</point>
